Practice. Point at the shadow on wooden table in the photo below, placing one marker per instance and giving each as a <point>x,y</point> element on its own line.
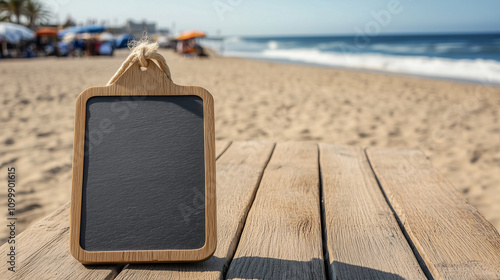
<point>349,271</point>
<point>271,268</point>
<point>268,268</point>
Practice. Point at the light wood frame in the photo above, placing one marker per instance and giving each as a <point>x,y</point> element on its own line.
<point>152,82</point>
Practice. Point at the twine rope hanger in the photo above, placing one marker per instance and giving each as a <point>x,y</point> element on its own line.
<point>141,52</point>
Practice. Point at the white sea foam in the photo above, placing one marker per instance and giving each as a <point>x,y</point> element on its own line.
<point>419,49</point>
<point>273,45</point>
<point>477,70</point>
<point>233,39</point>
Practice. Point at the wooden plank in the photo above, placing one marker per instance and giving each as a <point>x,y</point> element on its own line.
<point>239,171</point>
<point>220,147</point>
<point>42,251</point>
<point>363,238</point>
<point>282,235</point>
<point>450,235</point>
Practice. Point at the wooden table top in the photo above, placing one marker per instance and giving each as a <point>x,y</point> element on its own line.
<point>301,210</point>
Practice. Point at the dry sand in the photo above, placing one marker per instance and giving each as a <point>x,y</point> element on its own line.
<point>456,124</point>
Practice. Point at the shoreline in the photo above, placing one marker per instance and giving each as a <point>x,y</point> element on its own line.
<point>285,61</point>
<point>259,100</point>
<point>214,53</point>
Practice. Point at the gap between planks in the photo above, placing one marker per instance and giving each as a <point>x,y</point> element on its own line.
<point>362,237</point>
<point>419,258</point>
<point>239,171</point>
<point>282,236</point>
<point>453,239</point>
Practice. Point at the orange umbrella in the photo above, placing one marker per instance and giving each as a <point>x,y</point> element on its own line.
<point>190,35</point>
<point>46,31</point>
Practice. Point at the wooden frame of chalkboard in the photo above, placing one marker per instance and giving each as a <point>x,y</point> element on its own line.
<point>137,83</point>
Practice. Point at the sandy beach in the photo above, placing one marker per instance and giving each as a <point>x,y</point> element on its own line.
<point>456,124</point>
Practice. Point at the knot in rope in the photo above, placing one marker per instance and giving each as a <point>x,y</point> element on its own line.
<point>141,52</point>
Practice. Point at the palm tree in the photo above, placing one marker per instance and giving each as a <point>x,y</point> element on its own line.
<point>4,16</point>
<point>35,12</point>
<point>12,8</point>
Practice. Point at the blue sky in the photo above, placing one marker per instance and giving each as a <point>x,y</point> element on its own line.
<point>281,17</point>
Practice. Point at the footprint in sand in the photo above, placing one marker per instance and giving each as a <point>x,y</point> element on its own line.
<point>7,163</point>
<point>475,156</point>
<point>58,169</point>
<point>9,141</point>
<point>363,134</point>
<point>44,134</point>
<point>28,208</point>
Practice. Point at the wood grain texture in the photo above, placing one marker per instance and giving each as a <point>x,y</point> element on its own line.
<point>451,236</point>
<point>42,253</point>
<point>282,235</point>
<point>363,238</point>
<point>239,171</point>
<point>220,147</point>
<point>135,82</point>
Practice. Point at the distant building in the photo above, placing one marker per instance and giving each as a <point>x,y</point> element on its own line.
<point>137,29</point>
<point>163,31</point>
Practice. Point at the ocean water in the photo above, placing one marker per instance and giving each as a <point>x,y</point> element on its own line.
<point>470,57</point>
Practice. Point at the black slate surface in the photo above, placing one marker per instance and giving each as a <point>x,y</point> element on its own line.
<point>144,174</point>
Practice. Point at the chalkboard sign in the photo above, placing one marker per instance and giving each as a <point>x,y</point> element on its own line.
<point>143,172</point>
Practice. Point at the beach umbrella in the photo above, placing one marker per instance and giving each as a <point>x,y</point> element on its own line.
<point>82,29</point>
<point>14,33</point>
<point>85,36</point>
<point>65,31</point>
<point>122,40</point>
<point>105,36</point>
<point>162,41</point>
<point>69,37</point>
<point>46,31</point>
<point>93,29</point>
<point>190,35</point>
